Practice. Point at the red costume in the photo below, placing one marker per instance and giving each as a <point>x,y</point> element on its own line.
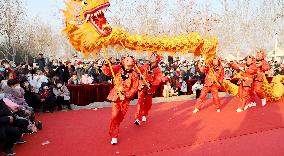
<point>262,67</point>
<point>127,84</point>
<point>245,90</point>
<point>214,77</point>
<point>153,76</point>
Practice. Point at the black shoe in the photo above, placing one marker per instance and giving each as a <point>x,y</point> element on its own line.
<point>137,122</point>
<point>28,132</point>
<point>9,152</point>
<point>20,141</point>
<point>59,108</point>
<point>39,125</point>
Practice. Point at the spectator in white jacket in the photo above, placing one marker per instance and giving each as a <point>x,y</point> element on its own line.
<point>86,79</point>
<point>196,88</point>
<point>37,80</point>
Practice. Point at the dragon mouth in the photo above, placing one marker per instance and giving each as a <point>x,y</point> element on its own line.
<point>97,19</point>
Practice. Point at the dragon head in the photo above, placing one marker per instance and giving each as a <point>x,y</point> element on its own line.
<point>86,22</point>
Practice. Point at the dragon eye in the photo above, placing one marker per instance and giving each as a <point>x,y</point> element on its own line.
<point>85,3</point>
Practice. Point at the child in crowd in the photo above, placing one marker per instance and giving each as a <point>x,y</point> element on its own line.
<point>168,90</point>
<point>74,80</point>
<point>196,88</point>
<point>47,98</point>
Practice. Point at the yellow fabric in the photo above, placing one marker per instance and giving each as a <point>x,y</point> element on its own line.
<point>85,38</point>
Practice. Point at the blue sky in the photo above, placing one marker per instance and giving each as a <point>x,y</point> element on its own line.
<point>47,10</point>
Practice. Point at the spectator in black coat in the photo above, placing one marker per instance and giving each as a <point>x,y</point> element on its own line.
<point>185,73</point>
<point>54,68</point>
<point>40,61</point>
<point>30,96</point>
<point>61,72</point>
<point>66,74</point>
<point>95,72</point>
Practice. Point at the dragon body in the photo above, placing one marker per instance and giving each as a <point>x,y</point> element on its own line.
<point>89,32</point>
<point>274,91</point>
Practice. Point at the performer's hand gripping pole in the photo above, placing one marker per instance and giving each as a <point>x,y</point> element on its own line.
<point>211,71</point>
<point>139,71</point>
<point>112,72</point>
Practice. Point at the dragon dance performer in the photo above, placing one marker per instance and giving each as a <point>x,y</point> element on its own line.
<point>151,76</point>
<point>262,67</point>
<point>214,77</point>
<point>245,90</point>
<point>125,88</point>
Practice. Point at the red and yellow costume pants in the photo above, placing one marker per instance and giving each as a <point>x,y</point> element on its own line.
<point>246,95</point>
<point>204,92</point>
<point>144,104</point>
<point>119,109</point>
<point>258,89</point>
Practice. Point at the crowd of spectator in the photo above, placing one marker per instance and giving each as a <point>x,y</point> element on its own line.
<point>55,72</point>
<point>17,117</point>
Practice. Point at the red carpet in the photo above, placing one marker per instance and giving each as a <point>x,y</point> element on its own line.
<point>172,129</point>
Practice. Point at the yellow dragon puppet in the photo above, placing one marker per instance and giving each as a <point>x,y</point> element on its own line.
<point>89,32</point>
